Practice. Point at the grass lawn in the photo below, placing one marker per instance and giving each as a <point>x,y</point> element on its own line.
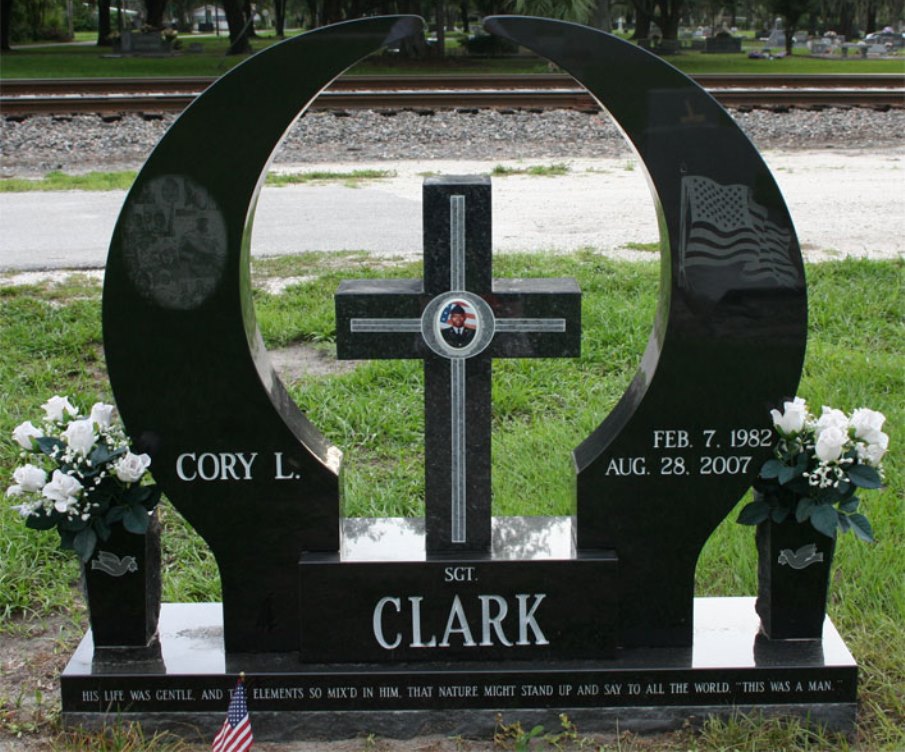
<point>113,181</point>
<point>65,61</point>
<point>51,339</point>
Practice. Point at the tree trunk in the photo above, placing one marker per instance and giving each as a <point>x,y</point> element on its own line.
<point>463,11</point>
<point>870,21</point>
<point>847,20</point>
<point>441,27</point>
<point>249,18</point>
<point>602,18</point>
<point>279,18</point>
<point>235,19</point>
<point>6,13</point>
<point>644,13</point>
<point>154,13</point>
<point>332,13</point>
<point>103,23</point>
<point>670,13</point>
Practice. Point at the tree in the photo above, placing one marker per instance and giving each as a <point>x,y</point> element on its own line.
<point>279,18</point>
<point>644,18</point>
<point>440,20</point>
<point>580,11</point>
<point>791,12</point>
<point>602,19</point>
<point>6,17</point>
<point>103,23</point>
<point>249,13</point>
<point>238,29</point>
<point>669,17</point>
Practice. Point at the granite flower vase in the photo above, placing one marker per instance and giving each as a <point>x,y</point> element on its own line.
<point>121,583</point>
<point>793,573</point>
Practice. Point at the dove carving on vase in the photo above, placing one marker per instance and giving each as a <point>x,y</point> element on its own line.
<point>121,584</point>
<point>794,563</point>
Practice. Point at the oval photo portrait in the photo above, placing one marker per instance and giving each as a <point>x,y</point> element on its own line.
<point>458,323</point>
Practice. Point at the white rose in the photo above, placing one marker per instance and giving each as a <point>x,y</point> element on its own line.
<point>30,478</point>
<point>831,418</point>
<point>56,406</point>
<point>63,490</point>
<point>872,453</point>
<point>25,432</point>
<point>80,436</point>
<point>102,414</point>
<point>131,467</point>
<point>830,444</point>
<point>867,423</point>
<point>793,417</point>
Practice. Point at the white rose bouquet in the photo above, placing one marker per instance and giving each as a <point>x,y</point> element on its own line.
<point>83,478</point>
<point>818,465</point>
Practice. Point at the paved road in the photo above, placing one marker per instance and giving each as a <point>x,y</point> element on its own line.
<point>842,204</point>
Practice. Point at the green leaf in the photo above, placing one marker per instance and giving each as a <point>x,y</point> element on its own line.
<point>803,509</point>
<point>73,525</point>
<point>101,528</point>
<point>844,524</point>
<point>865,476</point>
<point>862,527</point>
<point>153,498</point>
<point>135,519</point>
<point>102,454</point>
<point>849,506</point>
<point>845,491</point>
<point>49,445</point>
<point>787,474</point>
<point>84,543</point>
<point>825,519</point>
<point>115,514</point>
<point>754,513</point>
<point>40,521</point>
<point>66,539</point>
<point>779,514</point>
<point>138,494</point>
<point>771,469</point>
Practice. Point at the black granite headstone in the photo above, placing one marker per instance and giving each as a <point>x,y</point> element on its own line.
<point>434,632</point>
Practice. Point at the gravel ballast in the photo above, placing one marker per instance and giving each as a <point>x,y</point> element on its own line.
<point>37,145</point>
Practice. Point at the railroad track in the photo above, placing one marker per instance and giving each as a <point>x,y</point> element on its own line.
<point>21,97</point>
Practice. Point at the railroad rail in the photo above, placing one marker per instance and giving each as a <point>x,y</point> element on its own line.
<point>23,97</point>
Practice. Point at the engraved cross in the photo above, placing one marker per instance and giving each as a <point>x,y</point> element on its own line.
<point>457,319</point>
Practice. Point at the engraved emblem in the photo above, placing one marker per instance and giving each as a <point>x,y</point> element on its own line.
<point>174,243</point>
<point>111,564</point>
<point>803,557</point>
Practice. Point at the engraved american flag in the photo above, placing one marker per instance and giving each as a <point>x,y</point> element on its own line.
<point>721,226</point>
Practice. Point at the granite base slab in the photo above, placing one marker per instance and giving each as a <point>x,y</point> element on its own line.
<point>729,669</point>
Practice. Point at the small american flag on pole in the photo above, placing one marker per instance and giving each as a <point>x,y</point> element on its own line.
<point>235,735</point>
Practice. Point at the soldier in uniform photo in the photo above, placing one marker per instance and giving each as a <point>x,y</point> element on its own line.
<point>457,334</point>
